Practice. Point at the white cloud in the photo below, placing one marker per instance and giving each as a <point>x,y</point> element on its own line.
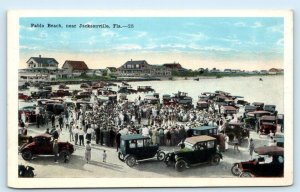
<point>173,46</point>
<point>276,29</point>
<point>141,34</point>
<point>257,25</point>
<point>240,24</point>
<point>126,47</point>
<point>196,36</point>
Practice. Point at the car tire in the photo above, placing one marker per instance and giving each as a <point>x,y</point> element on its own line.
<point>161,156</point>
<point>215,160</point>
<point>64,155</point>
<point>180,165</point>
<point>235,170</point>
<point>27,155</point>
<point>130,161</point>
<point>121,157</point>
<point>246,174</point>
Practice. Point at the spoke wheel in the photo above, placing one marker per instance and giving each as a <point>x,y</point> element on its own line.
<point>180,165</point>
<point>121,157</point>
<point>131,161</point>
<point>161,156</point>
<point>27,155</point>
<point>215,160</point>
<point>235,170</point>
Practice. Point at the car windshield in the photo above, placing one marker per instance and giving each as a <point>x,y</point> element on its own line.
<point>189,146</point>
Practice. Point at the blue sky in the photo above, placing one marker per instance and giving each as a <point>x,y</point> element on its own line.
<point>194,42</point>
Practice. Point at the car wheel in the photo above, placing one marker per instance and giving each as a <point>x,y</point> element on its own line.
<point>121,157</point>
<point>161,156</point>
<point>27,155</point>
<point>235,170</point>
<point>180,165</point>
<point>130,161</point>
<point>215,160</point>
<point>64,156</point>
<point>246,174</point>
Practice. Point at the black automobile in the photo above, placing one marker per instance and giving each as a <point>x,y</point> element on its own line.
<point>195,151</point>
<point>236,129</point>
<point>136,147</point>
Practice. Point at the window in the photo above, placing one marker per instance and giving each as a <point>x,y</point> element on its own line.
<point>202,146</point>
<point>140,143</point>
<point>210,144</point>
<point>147,142</point>
<point>132,144</point>
<point>122,143</point>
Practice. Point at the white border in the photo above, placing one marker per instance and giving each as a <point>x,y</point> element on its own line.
<point>12,103</point>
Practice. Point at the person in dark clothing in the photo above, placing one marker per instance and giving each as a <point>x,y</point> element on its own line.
<point>55,135</point>
<point>97,134</point>
<point>111,137</point>
<point>118,140</point>
<point>101,136</point>
<point>53,120</point>
<point>47,131</point>
<point>38,120</point>
<point>189,133</point>
<point>61,122</point>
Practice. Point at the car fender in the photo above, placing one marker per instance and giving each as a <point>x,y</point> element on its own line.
<point>181,158</point>
<point>126,156</point>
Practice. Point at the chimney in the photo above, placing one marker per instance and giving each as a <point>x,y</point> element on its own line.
<point>40,56</point>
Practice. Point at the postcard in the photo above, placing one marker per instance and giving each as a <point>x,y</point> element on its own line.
<point>150,98</point>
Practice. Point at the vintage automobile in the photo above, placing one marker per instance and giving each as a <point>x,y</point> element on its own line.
<point>270,108</point>
<point>197,150</point>
<point>42,94</point>
<point>225,109</point>
<point>43,145</point>
<point>236,129</point>
<point>136,147</point>
<point>84,85</point>
<point>202,105</point>
<point>83,95</point>
<point>205,130</point>
<point>55,108</point>
<point>280,121</point>
<point>249,108</point>
<point>61,93</point>
<point>150,99</point>
<point>24,97</point>
<point>269,163</point>
<point>29,112</point>
<point>267,124</point>
<point>63,86</point>
<point>166,99</point>
<point>145,89</point>
<point>259,105</point>
<point>252,118</point>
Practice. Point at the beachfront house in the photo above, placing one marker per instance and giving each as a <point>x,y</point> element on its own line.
<point>42,64</point>
<point>274,71</point>
<point>39,69</point>
<point>174,67</point>
<point>75,68</point>
<point>141,68</point>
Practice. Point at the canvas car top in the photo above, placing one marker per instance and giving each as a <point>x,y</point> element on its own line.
<point>196,139</point>
<point>133,136</point>
<point>269,150</point>
<point>204,128</point>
